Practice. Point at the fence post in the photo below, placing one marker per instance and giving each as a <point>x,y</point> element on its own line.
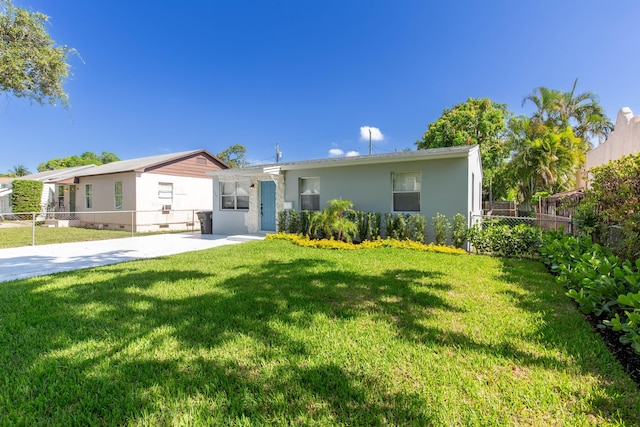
<point>33,229</point>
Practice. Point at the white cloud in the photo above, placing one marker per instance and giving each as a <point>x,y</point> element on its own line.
<point>352,154</point>
<point>335,152</point>
<point>376,135</point>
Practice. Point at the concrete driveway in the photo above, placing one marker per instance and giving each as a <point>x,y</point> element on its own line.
<point>30,261</point>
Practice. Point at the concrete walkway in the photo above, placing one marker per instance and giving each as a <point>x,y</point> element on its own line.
<point>39,260</point>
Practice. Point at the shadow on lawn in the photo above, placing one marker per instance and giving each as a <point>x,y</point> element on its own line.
<point>565,329</point>
<point>73,364</point>
<point>57,350</point>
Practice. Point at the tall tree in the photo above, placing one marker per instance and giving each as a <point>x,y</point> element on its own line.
<point>234,156</point>
<point>32,65</point>
<point>581,111</point>
<point>18,171</point>
<point>476,121</point>
<point>545,158</point>
<point>86,158</point>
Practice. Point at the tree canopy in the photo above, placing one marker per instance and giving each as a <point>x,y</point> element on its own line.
<point>32,65</point>
<point>86,158</point>
<point>545,158</point>
<point>18,171</point>
<point>234,156</point>
<point>522,156</point>
<point>476,121</point>
<point>580,111</point>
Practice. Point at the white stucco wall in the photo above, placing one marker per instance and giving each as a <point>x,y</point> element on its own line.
<point>230,222</point>
<point>140,194</point>
<point>624,140</point>
<point>188,193</point>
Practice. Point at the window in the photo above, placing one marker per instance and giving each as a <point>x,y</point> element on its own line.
<point>117,195</point>
<point>61,196</point>
<point>406,191</point>
<point>234,195</point>
<point>165,193</point>
<point>88,195</point>
<point>310,194</point>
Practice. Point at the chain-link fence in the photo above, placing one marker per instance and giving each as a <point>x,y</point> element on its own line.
<point>544,222</point>
<point>24,228</point>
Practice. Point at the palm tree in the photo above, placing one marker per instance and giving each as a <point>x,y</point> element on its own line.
<point>546,102</point>
<point>545,159</point>
<point>580,111</point>
<point>333,221</point>
<point>19,171</point>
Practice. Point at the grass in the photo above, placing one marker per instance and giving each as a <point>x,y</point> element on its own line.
<point>22,236</point>
<point>269,333</point>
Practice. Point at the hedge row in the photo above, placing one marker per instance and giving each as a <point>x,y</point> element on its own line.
<point>601,283</point>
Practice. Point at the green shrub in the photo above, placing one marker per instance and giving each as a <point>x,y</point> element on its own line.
<point>416,227</point>
<point>629,322</point>
<point>389,224</point>
<point>601,283</point>
<point>26,195</point>
<point>399,227</point>
<point>305,218</point>
<point>459,230</point>
<point>441,228</point>
<point>334,221</point>
<point>282,221</point>
<point>520,241</point>
<point>294,222</point>
<point>362,222</point>
<point>611,207</point>
<point>374,219</point>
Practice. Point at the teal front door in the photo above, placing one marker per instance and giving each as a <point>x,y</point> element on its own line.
<point>268,205</point>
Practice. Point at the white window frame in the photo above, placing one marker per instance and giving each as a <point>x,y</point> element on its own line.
<point>403,190</point>
<point>117,195</point>
<point>88,196</point>
<point>165,193</point>
<point>309,193</point>
<point>234,195</point>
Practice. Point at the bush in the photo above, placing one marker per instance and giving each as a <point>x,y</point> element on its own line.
<point>334,221</point>
<point>362,222</point>
<point>520,241</point>
<point>441,228</point>
<point>417,225</point>
<point>282,221</point>
<point>459,231</point>
<point>375,220</point>
<point>610,210</point>
<point>26,195</point>
<point>601,283</point>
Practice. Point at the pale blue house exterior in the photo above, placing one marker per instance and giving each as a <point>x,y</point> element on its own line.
<point>441,180</point>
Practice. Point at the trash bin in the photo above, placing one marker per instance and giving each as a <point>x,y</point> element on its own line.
<point>206,223</point>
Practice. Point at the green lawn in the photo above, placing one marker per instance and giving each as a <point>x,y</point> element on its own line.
<point>269,333</point>
<point>22,236</point>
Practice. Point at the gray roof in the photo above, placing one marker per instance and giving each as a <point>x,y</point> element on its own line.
<point>138,164</point>
<point>398,156</point>
<point>56,174</point>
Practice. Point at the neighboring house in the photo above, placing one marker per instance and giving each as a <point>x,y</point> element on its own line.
<point>624,140</point>
<point>144,194</point>
<point>48,201</point>
<point>439,180</point>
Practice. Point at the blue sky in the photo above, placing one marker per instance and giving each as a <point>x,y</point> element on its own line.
<point>157,76</point>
